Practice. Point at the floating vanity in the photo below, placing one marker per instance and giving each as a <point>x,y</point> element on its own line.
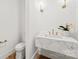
<point>60,44</point>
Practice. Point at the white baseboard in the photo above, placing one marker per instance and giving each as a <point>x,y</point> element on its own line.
<point>33,57</point>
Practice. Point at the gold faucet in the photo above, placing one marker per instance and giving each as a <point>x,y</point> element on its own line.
<point>3,41</point>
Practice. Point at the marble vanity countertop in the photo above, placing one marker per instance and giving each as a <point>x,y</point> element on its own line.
<point>54,37</point>
<point>64,45</point>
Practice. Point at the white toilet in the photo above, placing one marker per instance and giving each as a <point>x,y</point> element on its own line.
<point>20,50</point>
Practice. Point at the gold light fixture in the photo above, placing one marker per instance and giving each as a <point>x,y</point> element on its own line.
<point>41,6</point>
<point>64,6</point>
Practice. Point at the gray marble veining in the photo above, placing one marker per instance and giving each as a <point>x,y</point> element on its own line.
<point>63,45</point>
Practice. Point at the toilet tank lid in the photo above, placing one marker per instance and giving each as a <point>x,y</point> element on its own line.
<point>20,46</point>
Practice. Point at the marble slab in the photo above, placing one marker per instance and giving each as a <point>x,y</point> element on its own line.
<point>64,45</point>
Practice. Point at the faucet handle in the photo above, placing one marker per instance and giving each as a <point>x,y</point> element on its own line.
<point>52,31</point>
<point>3,41</point>
<point>49,32</point>
<point>56,33</point>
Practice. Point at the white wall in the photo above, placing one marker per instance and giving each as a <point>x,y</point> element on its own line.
<point>9,24</point>
<point>22,19</point>
<point>52,17</point>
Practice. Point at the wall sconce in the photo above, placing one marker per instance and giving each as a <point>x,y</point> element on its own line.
<point>42,6</point>
<point>64,6</point>
<point>63,3</point>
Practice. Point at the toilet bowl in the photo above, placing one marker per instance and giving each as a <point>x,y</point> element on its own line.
<point>20,50</point>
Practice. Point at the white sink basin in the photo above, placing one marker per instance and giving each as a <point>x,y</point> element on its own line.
<point>59,44</point>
